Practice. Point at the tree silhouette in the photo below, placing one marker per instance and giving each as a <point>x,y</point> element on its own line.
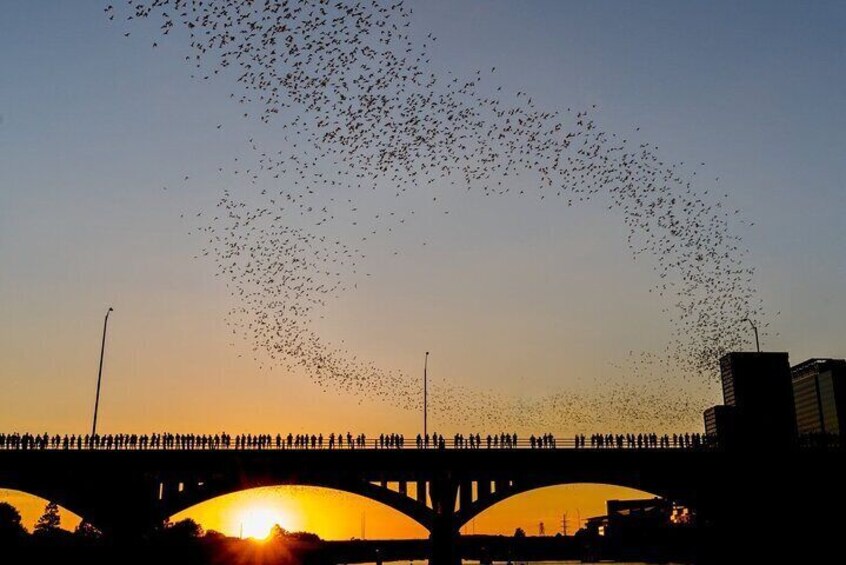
<point>86,531</point>
<point>304,536</point>
<point>214,535</point>
<point>10,522</point>
<point>519,533</point>
<point>278,532</point>
<point>184,529</point>
<point>49,522</point>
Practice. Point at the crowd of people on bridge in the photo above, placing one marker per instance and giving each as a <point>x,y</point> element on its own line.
<point>27,441</point>
<point>646,441</point>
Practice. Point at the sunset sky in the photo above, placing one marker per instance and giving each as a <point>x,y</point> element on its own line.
<point>512,296</point>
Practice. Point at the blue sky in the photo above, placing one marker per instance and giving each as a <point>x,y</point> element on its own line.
<point>511,295</point>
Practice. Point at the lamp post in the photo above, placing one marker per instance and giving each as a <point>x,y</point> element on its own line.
<point>755,329</point>
<point>425,395</point>
<point>100,372</point>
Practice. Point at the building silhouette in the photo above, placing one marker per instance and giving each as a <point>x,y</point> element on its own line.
<point>758,408</point>
<point>819,392</point>
<point>721,423</point>
<point>631,516</point>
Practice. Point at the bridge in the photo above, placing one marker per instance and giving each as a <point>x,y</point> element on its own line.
<point>124,492</point>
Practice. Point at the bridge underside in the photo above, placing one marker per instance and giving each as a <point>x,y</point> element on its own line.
<point>127,493</point>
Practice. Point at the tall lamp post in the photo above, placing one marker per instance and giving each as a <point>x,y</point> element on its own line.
<point>100,372</point>
<point>755,329</point>
<point>425,395</point>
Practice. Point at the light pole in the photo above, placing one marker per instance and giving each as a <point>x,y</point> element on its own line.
<point>755,329</point>
<point>100,372</point>
<point>425,395</point>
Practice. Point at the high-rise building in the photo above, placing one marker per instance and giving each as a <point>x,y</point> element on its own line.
<point>819,393</point>
<point>720,424</point>
<point>759,387</point>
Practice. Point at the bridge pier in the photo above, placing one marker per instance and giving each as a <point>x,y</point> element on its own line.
<point>444,540</point>
<point>444,535</point>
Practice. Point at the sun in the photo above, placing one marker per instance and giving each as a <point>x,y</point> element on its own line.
<point>256,521</point>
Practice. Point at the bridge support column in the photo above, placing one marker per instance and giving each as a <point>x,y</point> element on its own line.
<point>465,495</point>
<point>444,539</point>
<point>483,488</point>
<point>444,536</point>
<point>421,492</point>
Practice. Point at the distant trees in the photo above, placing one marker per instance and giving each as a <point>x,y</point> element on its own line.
<point>214,535</point>
<point>50,522</point>
<point>10,522</point>
<point>185,535</point>
<point>304,536</point>
<point>519,533</point>
<point>277,532</point>
<point>86,531</point>
<point>184,529</point>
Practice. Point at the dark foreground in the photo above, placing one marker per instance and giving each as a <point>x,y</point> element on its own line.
<point>214,549</point>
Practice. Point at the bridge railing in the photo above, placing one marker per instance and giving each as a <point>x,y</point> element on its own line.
<point>251,442</point>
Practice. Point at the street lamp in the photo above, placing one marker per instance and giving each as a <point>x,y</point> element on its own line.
<point>755,329</point>
<point>100,372</point>
<point>425,395</point>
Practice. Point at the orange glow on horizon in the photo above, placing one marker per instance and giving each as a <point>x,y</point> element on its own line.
<point>331,514</point>
<point>335,515</point>
<point>257,520</point>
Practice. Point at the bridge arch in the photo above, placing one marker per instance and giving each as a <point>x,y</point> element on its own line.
<point>512,490</point>
<point>190,495</point>
<point>328,512</point>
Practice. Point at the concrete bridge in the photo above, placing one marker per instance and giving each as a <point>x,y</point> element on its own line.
<point>124,492</point>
